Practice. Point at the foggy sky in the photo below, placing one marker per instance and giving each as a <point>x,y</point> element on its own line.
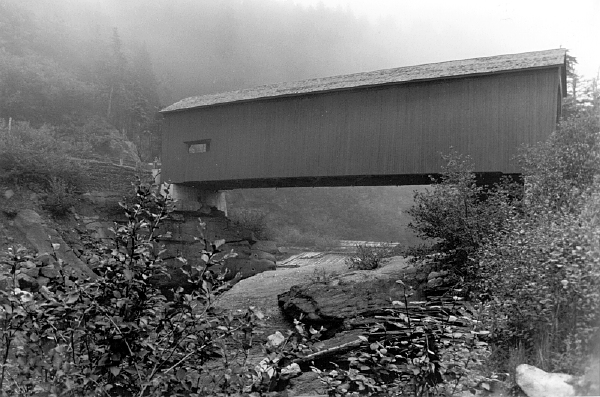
<point>206,46</point>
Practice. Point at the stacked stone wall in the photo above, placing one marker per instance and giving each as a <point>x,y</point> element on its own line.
<point>105,176</point>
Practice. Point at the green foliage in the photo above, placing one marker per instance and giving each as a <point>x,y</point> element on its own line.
<point>458,214</point>
<point>39,90</point>
<point>49,75</point>
<point>544,280</point>
<point>368,257</point>
<point>321,276</point>
<point>117,335</point>
<point>535,261</point>
<point>38,156</point>
<point>59,198</point>
<point>558,171</point>
<point>542,270</point>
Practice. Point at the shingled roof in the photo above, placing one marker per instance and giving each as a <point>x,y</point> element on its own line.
<point>450,69</point>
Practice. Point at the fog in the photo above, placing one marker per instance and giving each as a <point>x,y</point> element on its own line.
<point>200,47</point>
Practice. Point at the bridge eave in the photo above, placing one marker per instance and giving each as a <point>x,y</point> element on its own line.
<point>483,178</point>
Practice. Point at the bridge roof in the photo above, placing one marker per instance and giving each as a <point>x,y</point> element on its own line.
<point>432,71</point>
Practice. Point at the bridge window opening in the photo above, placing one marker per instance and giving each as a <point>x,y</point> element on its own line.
<point>202,146</point>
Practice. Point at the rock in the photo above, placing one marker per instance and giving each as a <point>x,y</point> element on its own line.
<point>247,267</point>
<point>241,251</point>
<point>249,236</point>
<point>333,304</point>
<point>434,275</point>
<point>31,272</point>
<point>94,261</point>
<point>589,384</point>
<point>8,194</point>
<point>45,259</point>
<point>435,282</point>
<point>27,282</point>
<point>98,229</point>
<point>49,272</point>
<point>538,383</point>
<point>307,384</point>
<point>45,240</point>
<point>103,199</point>
<point>266,246</point>
<point>275,340</point>
<point>28,265</point>
<point>188,205</point>
<point>257,254</point>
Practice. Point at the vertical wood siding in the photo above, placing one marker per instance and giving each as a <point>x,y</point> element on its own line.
<point>383,130</point>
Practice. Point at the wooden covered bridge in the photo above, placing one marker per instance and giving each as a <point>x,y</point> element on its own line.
<point>386,127</point>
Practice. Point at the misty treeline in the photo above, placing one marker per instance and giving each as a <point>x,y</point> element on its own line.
<point>100,70</point>
<point>84,85</point>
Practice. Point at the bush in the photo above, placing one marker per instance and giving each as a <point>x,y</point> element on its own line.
<point>543,276</point>
<point>542,271</point>
<point>559,170</point>
<point>117,335</point>
<point>534,262</point>
<point>457,214</point>
<point>59,199</point>
<point>368,257</point>
<point>38,157</point>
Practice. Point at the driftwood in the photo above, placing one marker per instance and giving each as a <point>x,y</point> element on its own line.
<point>329,352</point>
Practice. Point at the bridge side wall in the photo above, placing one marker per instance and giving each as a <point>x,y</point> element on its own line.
<point>384,130</point>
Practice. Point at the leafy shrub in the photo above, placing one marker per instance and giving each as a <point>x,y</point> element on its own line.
<point>37,156</point>
<point>543,275</point>
<point>59,199</point>
<point>116,335</point>
<point>542,271</point>
<point>558,171</point>
<point>457,214</point>
<point>535,261</point>
<point>368,257</point>
<point>322,276</point>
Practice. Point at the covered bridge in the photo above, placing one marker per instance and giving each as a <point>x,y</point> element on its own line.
<point>385,127</point>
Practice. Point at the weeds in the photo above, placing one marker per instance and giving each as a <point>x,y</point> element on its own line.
<point>59,198</point>
<point>369,257</point>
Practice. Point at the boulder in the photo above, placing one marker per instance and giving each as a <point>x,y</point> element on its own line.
<point>247,267</point>
<point>333,304</point>
<point>27,282</point>
<point>257,254</point>
<point>49,271</point>
<point>538,383</point>
<point>266,246</point>
<point>46,240</point>
<point>241,250</point>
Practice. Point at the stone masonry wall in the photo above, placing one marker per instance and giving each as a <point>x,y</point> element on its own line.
<point>115,177</point>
